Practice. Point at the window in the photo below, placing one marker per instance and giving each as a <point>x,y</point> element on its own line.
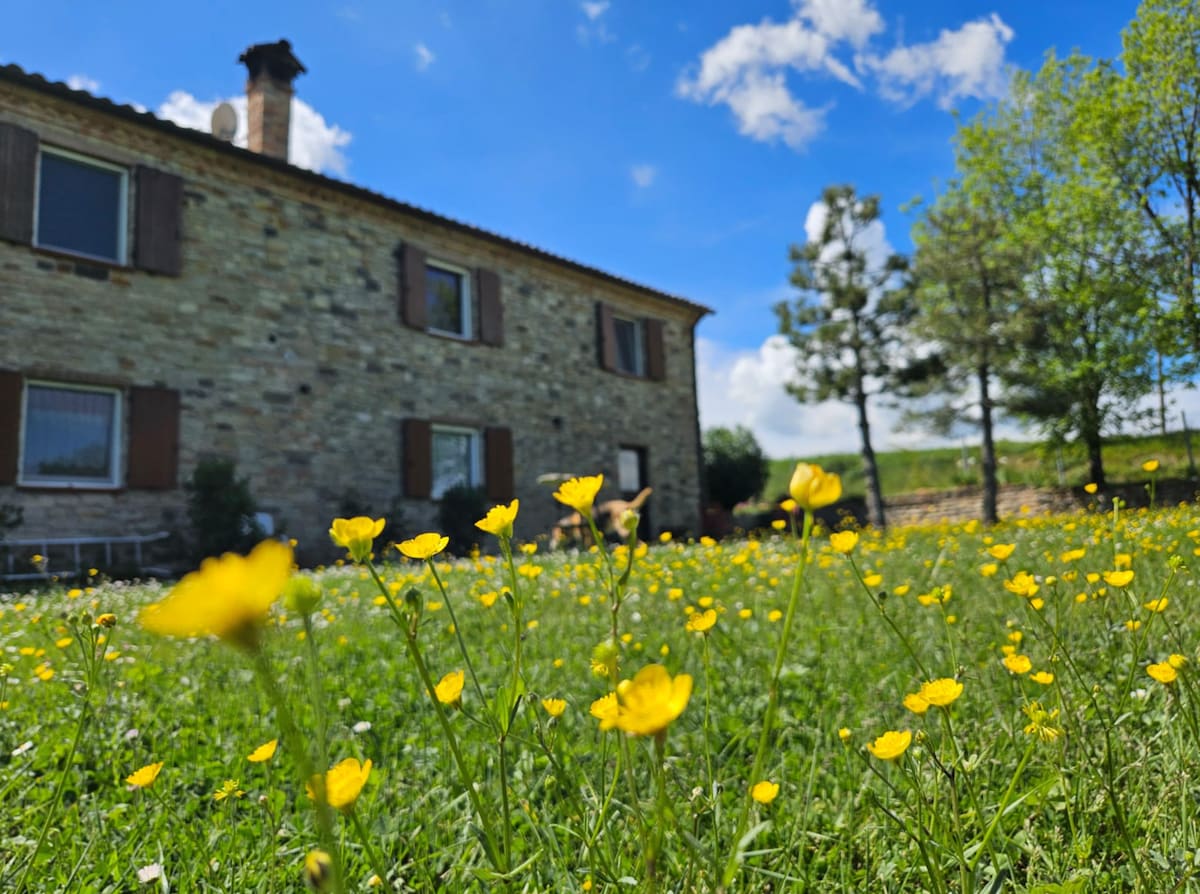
<point>71,436</point>
<point>81,206</point>
<point>631,477</point>
<point>630,343</point>
<point>448,300</point>
<point>456,459</point>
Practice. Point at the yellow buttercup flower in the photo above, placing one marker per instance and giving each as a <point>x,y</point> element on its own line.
<point>108,619</point>
<point>318,870</point>
<point>144,778</point>
<point>499,520</point>
<point>1164,672</point>
<point>648,703</point>
<point>764,792</point>
<point>1017,664</point>
<point>580,493</point>
<point>1150,465</point>
<point>449,690</point>
<point>788,505</point>
<point>812,487</point>
<point>915,703</point>
<point>1041,722</point>
<point>941,693</point>
<point>343,783</point>
<point>844,541</point>
<point>263,752</point>
<point>890,745</point>
<point>1091,487</point>
<point>1001,551</point>
<point>604,709</point>
<point>1157,605</point>
<point>1118,579</point>
<point>554,706</point>
<point>1023,584</point>
<point>1043,677</point>
<point>356,534</point>
<point>424,546</point>
<point>701,622</point>
<point>228,597</point>
<point>229,789</point>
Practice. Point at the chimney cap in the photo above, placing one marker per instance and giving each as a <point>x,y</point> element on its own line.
<point>275,59</point>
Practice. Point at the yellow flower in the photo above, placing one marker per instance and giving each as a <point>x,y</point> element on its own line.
<point>1001,551</point>
<point>941,693</point>
<point>228,597</point>
<point>648,703</point>
<point>318,870</point>
<point>343,783</point>
<point>580,493</point>
<point>302,595</point>
<point>263,752</point>
<point>844,541</point>
<point>1150,465</point>
<point>1118,579</point>
<point>989,569</point>
<point>774,615</point>
<point>108,619</point>
<point>1164,672</point>
<point>1041,722</point>
<point>844,734</point>
<point>499,520</point>
<point>1176,660</point>
<point>664,537</point>
<point>356,535</point>
<point>812,487</point>
<point>1091,487</point>
<point>764,792</point>
<point>788,505</point>
<point>228,789</point>
<point>554,706</point>
<point>1043,677</point>
<point>872,579</point>
<point>915,703</point>
<point>449,690</point>
<point>1023,584</point>
<point>1017,664</point>
<point>779,524</point>
<point>423,546</point>
<point>890,745</point>
<point>1156,605</point>
<point>144,778</point>
<point>701,622</point>
<point>604,709</point>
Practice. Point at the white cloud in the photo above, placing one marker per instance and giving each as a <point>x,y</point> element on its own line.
<point>593,10</point>
<point>643,175</point>
<point>637,58</point>
<point>312,142</point>
<point>83,82</point>
<point>755,68</point>
<point>425,56</point>
<point>961,64</point>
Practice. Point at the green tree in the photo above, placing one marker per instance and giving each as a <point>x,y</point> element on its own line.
<point>967,275</point>
<point>848,319</point>
<point>735,468</point>
<point>1081,330</point>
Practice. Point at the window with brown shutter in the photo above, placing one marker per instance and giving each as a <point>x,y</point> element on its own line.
<point>153,438</point>
<point>417,437</point>
<point>159,222</point>
<point>71,435</point>
<point>491,310</point>
<point>10,425</point>
<point>606,338</point>
<point>18,174</point>
<point>412,287</point>
<point>630,345</point>
<point>656,358</point>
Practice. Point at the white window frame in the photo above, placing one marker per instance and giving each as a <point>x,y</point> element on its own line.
<point>475,473</point>
<point>466,307</point>
<point>122,210</point>
<point>113,481</point>
<point>639,346</point>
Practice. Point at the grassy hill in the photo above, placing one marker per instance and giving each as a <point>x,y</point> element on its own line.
<point>1020,462</point>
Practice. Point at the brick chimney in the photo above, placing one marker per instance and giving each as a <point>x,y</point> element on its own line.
<point>272,68</point>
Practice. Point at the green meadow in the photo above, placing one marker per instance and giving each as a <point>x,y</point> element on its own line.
<point>1055,751</point>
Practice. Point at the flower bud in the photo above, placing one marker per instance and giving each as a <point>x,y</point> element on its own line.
<point>301,594</point>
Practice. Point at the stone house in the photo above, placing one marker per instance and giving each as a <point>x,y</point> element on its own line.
<point>166,296</point>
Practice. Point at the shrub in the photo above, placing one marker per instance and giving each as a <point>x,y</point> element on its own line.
<point>221,510</point>
<point>734,466</point>
<point>460,508</point>
<point>11,517</point>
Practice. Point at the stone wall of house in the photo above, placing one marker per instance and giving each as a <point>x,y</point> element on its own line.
<point>284,339</point>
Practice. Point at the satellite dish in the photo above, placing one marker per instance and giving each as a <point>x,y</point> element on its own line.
<point>224,122</point>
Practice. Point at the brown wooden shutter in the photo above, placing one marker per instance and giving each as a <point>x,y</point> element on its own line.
<point>413,308</point>
<point>18,173</point>
<point>491,310</point>
<point>10,425</point>
<point>606,337</point>
<point>418,458</point>
<point>498,463</point>
<point>153,439</point>
<point>158,227</point>
<point>656,358</point>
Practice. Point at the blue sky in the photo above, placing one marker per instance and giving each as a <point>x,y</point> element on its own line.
<point>681,145</point>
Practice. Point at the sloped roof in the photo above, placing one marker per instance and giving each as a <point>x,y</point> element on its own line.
<point>17,75</point>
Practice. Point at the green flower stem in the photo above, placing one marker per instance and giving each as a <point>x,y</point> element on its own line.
<point>660,812</point>
<point>317,693</point>
<point>308,775</point>
<point>904,641</point>
<point>365,840</point>
<point>764,738</point>
<point>517,606</point>
<point>1002,806</point>
<point>462,645</point>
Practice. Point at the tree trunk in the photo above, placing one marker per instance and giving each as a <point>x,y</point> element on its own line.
<point>1089,433</point>
<point>988,447</point>
<point>870,470</point>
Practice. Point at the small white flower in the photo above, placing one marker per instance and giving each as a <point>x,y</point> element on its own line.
<point>22,748</point>
<point>150,873</point>
<point>343,703</point>
<point>131,734</point>
<point>362,726</point>
<point>1140,694</point>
